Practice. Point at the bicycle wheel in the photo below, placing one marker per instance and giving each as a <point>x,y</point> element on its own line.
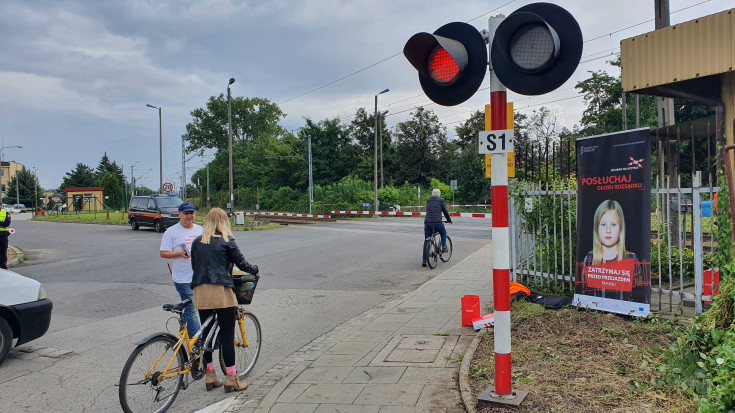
<point>246,355</point>
<point>142,389</point>
<point>431,252</point>
<point>445,256</point>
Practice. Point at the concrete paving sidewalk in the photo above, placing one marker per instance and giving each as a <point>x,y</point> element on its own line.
<point>401,356</point>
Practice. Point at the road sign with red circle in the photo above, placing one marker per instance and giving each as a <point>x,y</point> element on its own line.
<point>168,187</point>
<point>11,230</point>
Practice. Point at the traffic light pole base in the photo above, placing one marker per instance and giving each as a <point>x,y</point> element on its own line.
<point>489,398</point>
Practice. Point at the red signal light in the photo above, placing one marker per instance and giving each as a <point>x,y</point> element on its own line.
<point>443,69</point>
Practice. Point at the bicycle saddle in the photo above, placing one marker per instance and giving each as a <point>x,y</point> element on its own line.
<point>178,306</point>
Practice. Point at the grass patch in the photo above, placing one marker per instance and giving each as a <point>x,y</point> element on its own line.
<point>86,218</point>
<point>582,361</point>
<point>121,218</point>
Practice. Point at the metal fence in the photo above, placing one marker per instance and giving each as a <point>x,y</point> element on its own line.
<point>683,222</point>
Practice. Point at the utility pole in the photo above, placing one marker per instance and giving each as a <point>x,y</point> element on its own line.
<point>35,191</point>
<point>668,151</point>
<point>183,167</point>
<point>229,134</point>
<point>132,183</point>
<point>125,189</point>
<point>625,115</point>
<point>208,204</point>
<point>311,180</point>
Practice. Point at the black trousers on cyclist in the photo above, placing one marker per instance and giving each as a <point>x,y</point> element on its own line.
<point>227,318</point>
<point>439,227</point>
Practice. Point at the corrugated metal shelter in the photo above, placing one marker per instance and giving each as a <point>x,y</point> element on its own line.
<point>692,60</point>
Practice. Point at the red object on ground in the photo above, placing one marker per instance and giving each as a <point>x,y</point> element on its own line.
<point>488,320</point>
<point>470,309</point>
<point>708,283</point>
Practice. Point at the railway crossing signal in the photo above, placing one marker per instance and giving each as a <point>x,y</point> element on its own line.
<point>534,51</point>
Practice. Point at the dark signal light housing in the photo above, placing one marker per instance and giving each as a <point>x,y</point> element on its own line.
<point>451,62</point>
<point>536,48</point>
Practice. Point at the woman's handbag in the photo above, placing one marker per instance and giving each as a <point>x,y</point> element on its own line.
<point>245,288</point>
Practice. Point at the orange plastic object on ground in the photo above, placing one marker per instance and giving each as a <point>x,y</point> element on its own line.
<point>518,288</point>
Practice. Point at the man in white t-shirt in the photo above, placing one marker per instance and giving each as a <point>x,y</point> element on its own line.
<point>176,245</point>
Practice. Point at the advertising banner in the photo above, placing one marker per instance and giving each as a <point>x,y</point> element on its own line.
<point>613,271</point>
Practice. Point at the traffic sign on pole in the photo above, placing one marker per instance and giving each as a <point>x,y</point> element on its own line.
<point>168,187</point>
<point>511,155</point>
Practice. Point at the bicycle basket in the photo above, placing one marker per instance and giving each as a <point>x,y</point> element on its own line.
<point>245,288</point>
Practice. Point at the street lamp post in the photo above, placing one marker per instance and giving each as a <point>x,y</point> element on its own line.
<point>160,147</point>
<point>380,137</point>
<point>2,191</point>
<point>229,135</point>
<point>375,156</point>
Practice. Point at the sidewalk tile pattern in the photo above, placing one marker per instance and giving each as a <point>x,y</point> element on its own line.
<point>401,356</point>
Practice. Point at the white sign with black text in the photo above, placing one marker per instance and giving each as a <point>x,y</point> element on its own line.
<point>496,141</point>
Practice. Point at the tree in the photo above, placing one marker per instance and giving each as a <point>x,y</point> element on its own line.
<point>25,182</point>
<point>113,190</point>
<point>543,129</point>
<point>106,166</point>
<point>81,176</point>
<point>467,132</point>
<point>331,150</point>
<point>252,118</point>
<point>521,145</point>
<point>603,95</point>
<point>361,153</point>
<point>469,167</point>
<point>419,142</point>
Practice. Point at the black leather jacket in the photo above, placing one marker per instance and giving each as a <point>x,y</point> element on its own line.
<point>435,207</point>
<point>212,263</point>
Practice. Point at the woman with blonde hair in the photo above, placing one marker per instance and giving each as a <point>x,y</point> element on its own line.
<point>213,255</point>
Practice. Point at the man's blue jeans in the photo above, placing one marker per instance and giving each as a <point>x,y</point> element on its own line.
<point>439,227</point>
<point>190,313</point>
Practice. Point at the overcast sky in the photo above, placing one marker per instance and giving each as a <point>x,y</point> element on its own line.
<point>75,76</point>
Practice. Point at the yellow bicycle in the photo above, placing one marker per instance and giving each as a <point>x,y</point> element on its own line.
<point>155,371</point>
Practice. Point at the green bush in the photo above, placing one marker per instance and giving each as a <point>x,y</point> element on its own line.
<point>702,361</point>
<point>687,261</point>
<point>545,212</point>
<point>347,194</point>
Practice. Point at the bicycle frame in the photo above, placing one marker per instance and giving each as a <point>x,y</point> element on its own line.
<point>241,324</point>
<point>184,339</point>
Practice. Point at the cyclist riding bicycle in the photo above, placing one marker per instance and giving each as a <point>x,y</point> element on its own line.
<point>435,207</point>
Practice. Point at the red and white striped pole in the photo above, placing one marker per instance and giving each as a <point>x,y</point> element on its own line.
<point>500,233</point>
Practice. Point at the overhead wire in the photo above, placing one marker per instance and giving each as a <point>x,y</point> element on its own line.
<point>607,53</point>
<point>475,18</point>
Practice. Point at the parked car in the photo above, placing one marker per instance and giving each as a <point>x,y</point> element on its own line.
<point>25,311</point>
<point>12,209</point>
<point>20,207</point>
<point>157,211</point>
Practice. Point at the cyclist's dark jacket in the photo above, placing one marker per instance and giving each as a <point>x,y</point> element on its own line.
<point>212,263</point>
<point>435,207</point>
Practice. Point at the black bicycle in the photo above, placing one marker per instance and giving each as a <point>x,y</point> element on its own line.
<point>434,249</point>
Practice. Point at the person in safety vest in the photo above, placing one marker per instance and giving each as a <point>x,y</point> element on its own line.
<point>4,233</point>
